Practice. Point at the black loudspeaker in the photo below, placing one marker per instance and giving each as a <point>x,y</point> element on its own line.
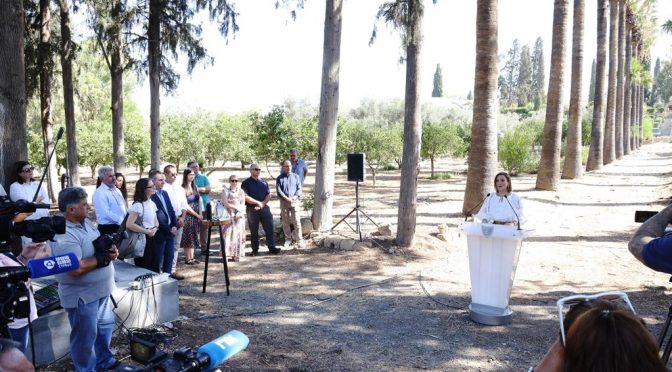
<point>356,170</point>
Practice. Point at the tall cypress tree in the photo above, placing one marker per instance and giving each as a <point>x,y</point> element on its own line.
<point>538,75</point>
<point>437,91</point>
<point>510,75</point>
<point>524,84</point>
<point>591,90</point>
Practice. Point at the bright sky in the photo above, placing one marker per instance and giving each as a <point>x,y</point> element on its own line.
<point>273,58</point>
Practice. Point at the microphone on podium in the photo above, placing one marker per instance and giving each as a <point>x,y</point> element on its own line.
<point>514,211</point>
<point>466,215</point>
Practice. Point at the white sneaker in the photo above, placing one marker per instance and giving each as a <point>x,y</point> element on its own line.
<point>288,244</point>
<point>302,244</point>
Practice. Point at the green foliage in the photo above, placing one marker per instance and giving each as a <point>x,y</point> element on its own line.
<point>441,176</point>
<point>524,83</point>
<point>663,81</point>
<point>647,128</point>
<point>516,147</point>
<point>538,74</point>
<point>444,139</point>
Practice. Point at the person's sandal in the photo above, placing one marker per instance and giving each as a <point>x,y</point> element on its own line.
<point>190,262</point>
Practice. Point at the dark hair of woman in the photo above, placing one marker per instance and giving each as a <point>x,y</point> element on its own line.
<point>185,177</point>
<point>18,168</point>
<point>123,189</point>
<point>508,180</point>
<point>139,195</point>
<point>603,339</point>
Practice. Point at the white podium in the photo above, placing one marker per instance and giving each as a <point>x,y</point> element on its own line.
<point>493,257</point>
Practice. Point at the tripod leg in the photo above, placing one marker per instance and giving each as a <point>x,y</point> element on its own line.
<point>344,218</point>
<point>207,257</point>
<point>359,227</point>
<point>226,265</point>
<point>664,339</point>
<point>369,218</point>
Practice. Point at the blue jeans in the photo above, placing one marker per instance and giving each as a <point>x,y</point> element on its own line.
<point>20,335</point>
<point>92,325</point>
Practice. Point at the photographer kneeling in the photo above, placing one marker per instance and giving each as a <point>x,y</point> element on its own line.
<point>85,292</point>
<point>651,245</point>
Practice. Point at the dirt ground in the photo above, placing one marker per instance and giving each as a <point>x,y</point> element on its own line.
<point>322,309</point>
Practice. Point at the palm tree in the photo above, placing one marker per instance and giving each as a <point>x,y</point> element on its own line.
<point>627,87</point>
<point>549,165</point>
<point>620,81</point>
<point>609,135</point>
<point>595,158</point>
<point>326,137</point>
<point>572,167</point>
<point>482,158</point>
<point>406,16</point>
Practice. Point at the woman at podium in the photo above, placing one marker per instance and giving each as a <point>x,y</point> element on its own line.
<point>502,207</point>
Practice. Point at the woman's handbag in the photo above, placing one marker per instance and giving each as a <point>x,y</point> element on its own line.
<point>134,244</point>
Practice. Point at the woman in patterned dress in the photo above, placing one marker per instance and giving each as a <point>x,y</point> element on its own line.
<point>192,223</point>
<point>233,199</point>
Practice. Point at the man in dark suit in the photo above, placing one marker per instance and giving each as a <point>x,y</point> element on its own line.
<point>161,259</point>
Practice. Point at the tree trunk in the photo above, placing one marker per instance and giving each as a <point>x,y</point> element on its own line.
<point>640,116</point>
<point>67,49</point>
<point>45,63</point>
<point>329,98</point>
<point>431,159</point>
<point>548,175</point>
<point>572,167</point>
<point>12,89</point>
<point>410,164</point>
<point>482,160</point>
<point>627,91</point>
<point>609,125</point>
<point>618,119</point>
<point>595,157</point>
<point>154,49</point>
<point>117,90</point>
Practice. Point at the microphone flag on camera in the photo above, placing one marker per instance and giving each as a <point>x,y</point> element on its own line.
<point>42,267</point>
<point>224,347</point>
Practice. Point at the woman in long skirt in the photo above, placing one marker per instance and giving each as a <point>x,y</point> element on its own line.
<point>233,199</point>
<point>192,223</point>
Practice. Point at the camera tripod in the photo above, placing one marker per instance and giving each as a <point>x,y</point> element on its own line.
<point>356,210</point>
<point>664,338</point>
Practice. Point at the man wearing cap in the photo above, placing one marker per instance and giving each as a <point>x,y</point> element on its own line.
<point>257,196</point>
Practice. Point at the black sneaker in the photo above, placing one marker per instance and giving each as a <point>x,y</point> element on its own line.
<point>274,250</point>
<point>254,253</point>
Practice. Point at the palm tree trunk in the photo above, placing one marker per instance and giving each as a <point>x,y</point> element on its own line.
<point>640,116</point>
<point>46,107</point>
<point>627,91</point>
<point>609,137</point>
<point>329,99</point>
<point>410,165</point>
<point>595,157</point>
<point>549,165</point>
<point>618,119</point>
<point>482,158</point>
<point>68,92</point>
<point>12,101</point>
<point>154,59</point>
<point>572,167</point>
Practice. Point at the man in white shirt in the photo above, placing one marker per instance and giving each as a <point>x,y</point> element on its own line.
<point>108,202</point>
<point>178,199</point>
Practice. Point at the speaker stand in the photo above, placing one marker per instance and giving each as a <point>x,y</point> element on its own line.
<point>356,210</point>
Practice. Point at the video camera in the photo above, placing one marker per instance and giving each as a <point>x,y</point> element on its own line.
<point>104,242</point>
<point>39,230</point>
<point>185,359</point>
